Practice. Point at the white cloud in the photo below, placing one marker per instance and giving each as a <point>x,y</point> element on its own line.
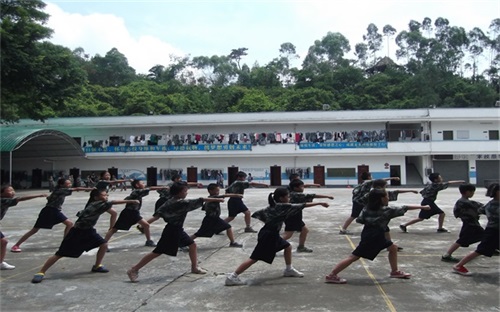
<point>99,33</point>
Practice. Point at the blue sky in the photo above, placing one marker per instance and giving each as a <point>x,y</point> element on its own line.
<point>147,32</point>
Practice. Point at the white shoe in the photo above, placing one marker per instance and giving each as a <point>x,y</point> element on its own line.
<point>232,280</point>
<point>293,272</point>
<point>6,266</point>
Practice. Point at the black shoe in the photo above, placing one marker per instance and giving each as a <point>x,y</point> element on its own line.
<point>99,269</point>
<point>150,243</point>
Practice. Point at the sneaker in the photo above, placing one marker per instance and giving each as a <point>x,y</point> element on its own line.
<point>232,280</point>
<point>304,249</point>
<point>6,266</point>
<point>15,248</point>
<point>184,248</point>
<point>403,228</point>
<point>140,229</point>
<point>249,229</point>
<point>400,274</point>
<point>99,269</point>
<point>462,271</point>
<point>449,258</point>
<point>38,278</point>
<point>442,230</point>
<point>199,271</point>
<point>133,275</point>
<point>235,244</point>
<point>150,243</point>
<point>293,272</point>
<point>345,232</point>
<point>334,279</point>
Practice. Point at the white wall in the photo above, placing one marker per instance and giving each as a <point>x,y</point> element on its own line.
<point>478,130</point>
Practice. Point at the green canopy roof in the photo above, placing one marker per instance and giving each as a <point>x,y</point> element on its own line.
<point>38,143</point>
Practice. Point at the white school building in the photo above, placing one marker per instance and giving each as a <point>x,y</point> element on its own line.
<point>331,148</point>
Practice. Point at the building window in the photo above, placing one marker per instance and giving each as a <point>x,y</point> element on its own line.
<point>462,135</point>
<point>447,135</point>
<point>340,172</point>
<point>493,134</point>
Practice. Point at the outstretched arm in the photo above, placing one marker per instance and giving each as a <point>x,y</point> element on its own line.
<point>406,191</point>
<point>160,187</point>
<point>456,181</point>
<point>392,178</point>
<point>317,204</point>
<point>312,185</point>
<point>77,189</point>
<point>213,200</point>
<point>23,198</point>
<point>258,184</point>
<point>125,201</point>
<point>233,195</point>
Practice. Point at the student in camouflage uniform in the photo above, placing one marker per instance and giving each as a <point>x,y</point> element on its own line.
<point>295,222</point>
<point>83,236</point>
<point>236,205</point>
<point>468,211</point>
<point>490,241</point>
<point>8,199</point>
<point>358,193</point>
<point>131,215</point>
<point>429,194</point>
<point>52,214</point>
<point>174,212</point>
<point>269,241</point>
<point>375,217</point>
<point>212,222</point>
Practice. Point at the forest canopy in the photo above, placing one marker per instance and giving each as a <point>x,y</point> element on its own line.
<point>436,65</point>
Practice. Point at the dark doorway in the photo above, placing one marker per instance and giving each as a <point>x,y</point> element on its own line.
<point>231,174</point>
<point>395,171</point>
<point>75,172</point>
<point>275,176</point>
<point>113,172</point>
<point>36,178</point>
<point>319,175</point>
<point>361,169</point>
<point>192,174</point>
<point>152,173</point>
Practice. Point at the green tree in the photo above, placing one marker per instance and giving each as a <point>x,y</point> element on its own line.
<point>112,70</point>
<point>217,71</point>
<point>361,51</point>
<point>253,101</point>
<point>388,32</point>
<point>330,49</point>
<point>237,54</point>
<point>36,76</point>
<point>374,40</point>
